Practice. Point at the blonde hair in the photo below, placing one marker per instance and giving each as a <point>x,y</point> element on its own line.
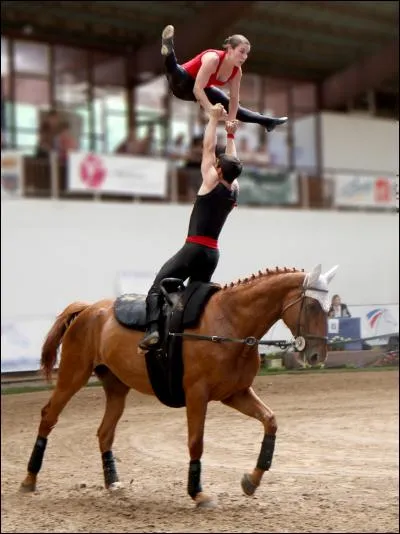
<point>235,40</point>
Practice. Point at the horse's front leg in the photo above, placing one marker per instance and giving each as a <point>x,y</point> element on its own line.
<point>247,402</point>
<point>196,409</point>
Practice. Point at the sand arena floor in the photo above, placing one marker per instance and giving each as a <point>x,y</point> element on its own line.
<point>335,467</point>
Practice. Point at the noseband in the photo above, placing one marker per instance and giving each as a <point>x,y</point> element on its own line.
<point>301,339</point>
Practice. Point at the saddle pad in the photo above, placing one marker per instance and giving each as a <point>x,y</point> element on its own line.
<point>130,310</point>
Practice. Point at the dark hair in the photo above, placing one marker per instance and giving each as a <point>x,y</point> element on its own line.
<point>219,150</point>
<point>230,166</point>
<point>235,40</point>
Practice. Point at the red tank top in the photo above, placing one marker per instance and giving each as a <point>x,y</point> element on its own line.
<point>192,67</point>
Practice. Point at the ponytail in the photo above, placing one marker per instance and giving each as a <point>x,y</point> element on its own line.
<point>235,40</point>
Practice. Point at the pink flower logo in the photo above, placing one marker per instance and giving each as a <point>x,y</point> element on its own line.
<point>92,171</point>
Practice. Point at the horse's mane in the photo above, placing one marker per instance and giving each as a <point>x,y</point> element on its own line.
<point>262,274</point>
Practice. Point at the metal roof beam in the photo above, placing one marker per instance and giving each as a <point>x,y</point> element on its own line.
<point>192,37</point>
<point>365,75</point>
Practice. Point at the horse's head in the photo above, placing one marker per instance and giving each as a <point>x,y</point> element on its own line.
<point>305,313</point>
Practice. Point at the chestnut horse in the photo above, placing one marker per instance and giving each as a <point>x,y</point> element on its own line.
<point>93,341</point>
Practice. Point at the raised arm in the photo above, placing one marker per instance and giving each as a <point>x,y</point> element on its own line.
<point>208,67</point>
<point>234,95</point>
<point>208,170</point>
<point>231,127</point>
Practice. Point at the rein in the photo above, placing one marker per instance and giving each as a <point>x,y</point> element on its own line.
<point>298,343</point>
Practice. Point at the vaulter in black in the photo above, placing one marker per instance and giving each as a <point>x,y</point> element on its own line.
<point>198,258</point>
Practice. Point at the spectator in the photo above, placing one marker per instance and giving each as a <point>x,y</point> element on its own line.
<point>246,154</point>
<point>192,166</point>
<point>138,147</point>
<point>338,309</point>
<point>178,150</point>
<point>261,156</point>
<point>48,134</point>
<point>45,141</point>
<point>52,121</point>
<point>65,141</point>
<point>131,145</point>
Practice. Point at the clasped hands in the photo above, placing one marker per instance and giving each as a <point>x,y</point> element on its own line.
<point>218,112</point>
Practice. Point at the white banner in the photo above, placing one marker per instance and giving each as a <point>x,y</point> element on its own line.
<point>365,191</point>
<point>126,175</point>
<point>12,169</point>
<point>21,343</point>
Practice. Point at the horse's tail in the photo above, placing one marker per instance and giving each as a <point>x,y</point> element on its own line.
<point>56,334</point>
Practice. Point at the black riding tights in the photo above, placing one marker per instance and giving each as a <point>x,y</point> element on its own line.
<point>192,261</point>
<point>182,84</point>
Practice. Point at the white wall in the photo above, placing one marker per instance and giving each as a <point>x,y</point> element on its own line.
<point>349,142</point>
<point>55,252</point>
<point>352,142</point>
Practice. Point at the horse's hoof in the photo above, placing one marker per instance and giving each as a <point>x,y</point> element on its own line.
<point>27,488</point>
<point>204,501</point>
<point>115,486</point>
<point>247,485</point>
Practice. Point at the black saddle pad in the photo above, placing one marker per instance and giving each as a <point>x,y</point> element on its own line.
<point>130,311</point>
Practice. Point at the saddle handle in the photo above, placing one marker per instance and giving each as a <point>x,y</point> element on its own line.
<point>179,284</point>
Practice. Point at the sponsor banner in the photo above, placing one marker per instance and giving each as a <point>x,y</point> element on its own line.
<point>379,320</point>
<point>364,191</point>
<point>21,343</point>
<point>120,175</point>
<point>266,187</point>
<point>12,169</point>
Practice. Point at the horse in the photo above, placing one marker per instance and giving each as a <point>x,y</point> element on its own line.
<point>93,341</point>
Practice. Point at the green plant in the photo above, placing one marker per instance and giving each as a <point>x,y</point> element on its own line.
<point>338,343</point>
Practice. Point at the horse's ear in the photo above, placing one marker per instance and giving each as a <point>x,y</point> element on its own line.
<point>331,273</point>
<point>314,275</point>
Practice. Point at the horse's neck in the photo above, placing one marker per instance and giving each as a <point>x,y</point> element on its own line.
<point>254,306</point>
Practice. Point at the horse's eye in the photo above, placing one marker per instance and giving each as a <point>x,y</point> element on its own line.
<point>313,307</point>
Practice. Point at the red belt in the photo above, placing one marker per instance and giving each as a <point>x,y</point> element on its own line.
<point>203,240</point>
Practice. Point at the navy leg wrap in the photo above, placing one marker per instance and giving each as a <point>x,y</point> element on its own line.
<point>110,472</point>
<point>36,459</point>
<point>267,451</point>
<point>194,485</point>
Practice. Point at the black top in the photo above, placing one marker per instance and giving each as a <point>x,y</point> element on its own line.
<point>211,210</point>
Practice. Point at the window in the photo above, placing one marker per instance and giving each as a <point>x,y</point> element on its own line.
<point>31,58</point>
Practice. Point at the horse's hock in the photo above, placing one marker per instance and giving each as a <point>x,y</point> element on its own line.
<point>344,411</point>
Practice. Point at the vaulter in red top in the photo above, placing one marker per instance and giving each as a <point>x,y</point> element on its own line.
<point>196,80</point>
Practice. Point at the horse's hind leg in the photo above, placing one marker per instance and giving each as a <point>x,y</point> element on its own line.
<point>116,393</point>
<point>70,380</point>
<point>249,404</point>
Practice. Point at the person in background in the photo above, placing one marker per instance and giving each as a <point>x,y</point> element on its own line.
<point>66,141</point>
<point>338,309</point>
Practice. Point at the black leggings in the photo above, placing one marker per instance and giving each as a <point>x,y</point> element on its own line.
<point>182,84</point>
<point>192,261</point>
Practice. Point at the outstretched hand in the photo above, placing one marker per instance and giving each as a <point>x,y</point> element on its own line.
<point>218,112</point>
<point>231,126</point>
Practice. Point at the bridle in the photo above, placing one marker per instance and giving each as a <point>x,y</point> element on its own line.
<point>299,342</point>
<point>300,337</point>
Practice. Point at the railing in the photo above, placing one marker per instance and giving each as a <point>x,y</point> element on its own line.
<point>260,185</point>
